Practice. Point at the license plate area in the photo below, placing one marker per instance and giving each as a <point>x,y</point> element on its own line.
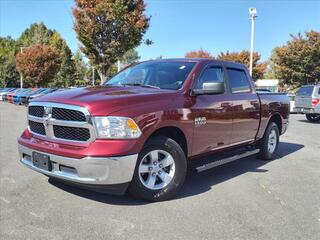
<point>41,161</point>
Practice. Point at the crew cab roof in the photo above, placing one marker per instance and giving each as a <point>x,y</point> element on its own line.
<point>202,60</point>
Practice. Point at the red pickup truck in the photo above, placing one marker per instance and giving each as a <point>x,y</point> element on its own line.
<point>144,127</point>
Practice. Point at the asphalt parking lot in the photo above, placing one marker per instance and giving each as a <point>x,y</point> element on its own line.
<point>246,199</point>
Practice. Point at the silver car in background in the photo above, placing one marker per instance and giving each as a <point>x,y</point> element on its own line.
<point>307,101</point>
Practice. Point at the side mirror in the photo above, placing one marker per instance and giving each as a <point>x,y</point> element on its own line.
<point>209,88</point>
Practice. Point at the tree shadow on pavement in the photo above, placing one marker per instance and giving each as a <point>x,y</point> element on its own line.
<point>196,183</point>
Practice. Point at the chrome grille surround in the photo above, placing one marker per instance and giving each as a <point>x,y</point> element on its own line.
<point>48,121</point>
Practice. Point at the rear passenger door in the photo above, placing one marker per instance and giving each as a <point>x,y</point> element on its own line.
<point>245,105</point>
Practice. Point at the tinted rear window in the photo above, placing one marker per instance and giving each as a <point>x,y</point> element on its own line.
<point>305,91</point>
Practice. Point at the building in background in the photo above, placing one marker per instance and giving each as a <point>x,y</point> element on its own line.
<point>270,84</point>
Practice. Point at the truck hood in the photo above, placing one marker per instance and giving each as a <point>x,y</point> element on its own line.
<point>104,100</point>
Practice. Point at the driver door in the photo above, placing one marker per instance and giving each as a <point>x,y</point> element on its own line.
<point>212,114</point>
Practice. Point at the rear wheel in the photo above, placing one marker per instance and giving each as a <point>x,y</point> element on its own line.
<point>313,117</point>
<point>270,142</point>
<point>160,170</point>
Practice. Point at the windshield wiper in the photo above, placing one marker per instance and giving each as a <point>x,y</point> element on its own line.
<point>140,85</point>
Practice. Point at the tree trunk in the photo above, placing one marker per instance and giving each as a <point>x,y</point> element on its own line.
<point>102,77</point>
<point>103,73</point>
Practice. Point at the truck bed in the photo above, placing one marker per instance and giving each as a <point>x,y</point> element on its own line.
<point>273,103</point>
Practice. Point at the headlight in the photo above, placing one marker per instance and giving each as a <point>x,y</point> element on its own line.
<point>116,127</point>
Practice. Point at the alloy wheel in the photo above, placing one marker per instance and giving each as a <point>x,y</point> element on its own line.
<point>272,141</point>
<point>156,169</point>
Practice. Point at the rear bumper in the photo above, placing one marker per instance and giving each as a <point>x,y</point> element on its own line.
<point>307,110</point>
<point>97,173</point>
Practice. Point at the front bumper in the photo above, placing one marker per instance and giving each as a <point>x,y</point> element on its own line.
<point>87,171</point>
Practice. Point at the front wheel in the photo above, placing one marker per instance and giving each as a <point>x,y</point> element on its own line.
<point>160,171</point>
<point>270,142</point>
<point>313,117</point>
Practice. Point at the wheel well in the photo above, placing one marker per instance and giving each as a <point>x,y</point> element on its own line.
<point>277,120</point>
<point>174,133</point>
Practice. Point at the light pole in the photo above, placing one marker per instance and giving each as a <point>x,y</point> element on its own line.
<point>253,15</point>
<point>21,77</point>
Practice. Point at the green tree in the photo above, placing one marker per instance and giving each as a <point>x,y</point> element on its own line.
<point>36,34</point>
<point>65,77</point>
<point>80,69</point>
<point>298,61</point>
<point>38,65</point>
<point>270,74</point>
<point>107,29</point>
<point>9,76</point>
<point>243,57</point>
<point>66,74</point>
<point>128,58</point>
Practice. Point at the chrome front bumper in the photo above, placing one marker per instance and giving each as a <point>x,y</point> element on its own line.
<point>88,170</point>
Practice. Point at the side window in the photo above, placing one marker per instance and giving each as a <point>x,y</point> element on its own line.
<point>238,81</point>
<point>210,74</point>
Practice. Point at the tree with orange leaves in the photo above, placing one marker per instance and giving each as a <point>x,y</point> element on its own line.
<point>107,29</point>
<point>243,57</point>
<point>38,64</point>
<point>198,54</point>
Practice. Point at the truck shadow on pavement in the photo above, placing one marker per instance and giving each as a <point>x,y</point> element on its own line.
<point>196,183</point>
<point>306,121</point>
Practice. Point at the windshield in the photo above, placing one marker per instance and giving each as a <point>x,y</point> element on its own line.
<point>164,75</point>
<point>305,91</point>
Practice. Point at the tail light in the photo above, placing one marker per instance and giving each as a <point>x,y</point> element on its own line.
<point>315,101</point>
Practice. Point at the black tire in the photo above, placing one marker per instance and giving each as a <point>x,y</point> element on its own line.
<point>313,117</point>
<point>265,152</point>
<point>137,188</point>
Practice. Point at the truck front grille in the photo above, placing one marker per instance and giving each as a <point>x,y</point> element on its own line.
<point>71,133</point>
<point>37,127</point>
<point>36,111</point>
<point>68,114</point>
<point>60,121</point>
